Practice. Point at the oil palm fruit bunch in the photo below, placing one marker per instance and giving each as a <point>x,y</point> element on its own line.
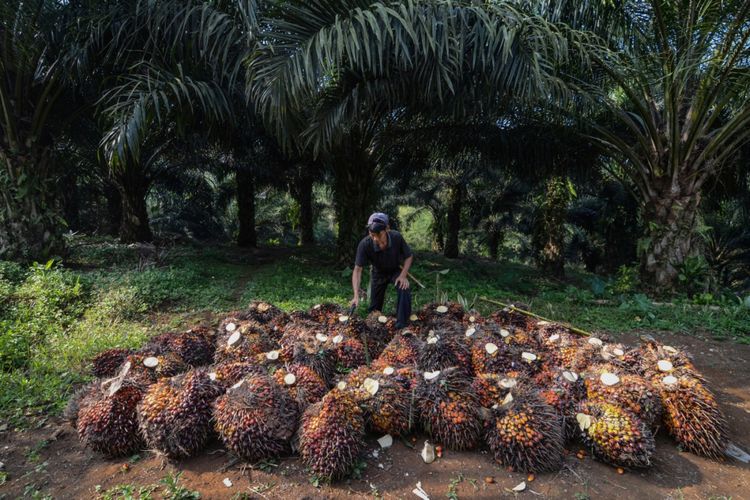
<point>619,355</point>
<point>302,383</point>
<point>175,413</point>
<point>488,355</point>
<point>107,363</point>
<point>256,418</point>
<point>403,350</point>
<point>108,422</point>
<point>381,326</point>
<point>491,388</point>
<point>614,435</point>
<point>386,400</point>
<point>229,373</point>
<point>356,377</point>
<point>442,351</point>
<point>563,390</point>
<point>265,313</point>
<point>355,329</point>
<point>433,311</point>
<point>448,408</point>
<point>443,327</point>
<point>195,346</point>
<point>507,318</point>
<point>81,398</point>
<point>552,335</point>
<point>331,437</point>
<point>472,317</point>
<point>605,383</point>
<point>242,342</point>
<point>349,352</point>
<point>145,368</point>
<point>524,433</point>
<point>657,359</point>
<point>327,314</point>
<point>583,353</point>
<point>691,414</point>
<point>315,353</point>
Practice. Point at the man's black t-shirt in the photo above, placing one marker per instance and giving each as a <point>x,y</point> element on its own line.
<point>384,262</point>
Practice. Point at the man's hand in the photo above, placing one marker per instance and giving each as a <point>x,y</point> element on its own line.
<point>355,301</point>
<point>402,282</point>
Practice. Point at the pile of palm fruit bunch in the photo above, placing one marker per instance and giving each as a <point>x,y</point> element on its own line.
<point>319,383</point>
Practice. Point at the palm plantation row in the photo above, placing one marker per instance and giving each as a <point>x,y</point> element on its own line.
<point>464,99</point>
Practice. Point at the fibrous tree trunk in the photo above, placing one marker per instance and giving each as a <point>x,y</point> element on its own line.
<point>670,219</point>
<point>30,224</point>
<point>114,209</point>
<point>247,236</point>
<point>355,198</point>
<point>133,185</point>
<point>302,191</point>
<point>493,243</point>
<point>455,204</point>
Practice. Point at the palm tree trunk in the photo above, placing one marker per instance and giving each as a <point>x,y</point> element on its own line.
<point>493,243</point>
<point>455,204</point>
<point>303,194</point>
<point>133,186</point>
<point>355,198</point>
<point>114,209</point>
<point>247,236</point>
<point>671,220</point>
<point>30,224</point>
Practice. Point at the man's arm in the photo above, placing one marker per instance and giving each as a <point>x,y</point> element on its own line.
<point>356,280</point>
<point>403,280</point>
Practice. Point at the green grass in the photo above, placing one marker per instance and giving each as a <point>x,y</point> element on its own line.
<point>55,318</point>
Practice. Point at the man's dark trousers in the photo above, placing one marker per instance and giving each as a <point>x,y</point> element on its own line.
<point>378,285</point>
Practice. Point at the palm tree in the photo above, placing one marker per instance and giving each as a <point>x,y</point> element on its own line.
<point>173,65</point>
<point>355,64</point>
<point>35,70</point>
<point>681,106</point>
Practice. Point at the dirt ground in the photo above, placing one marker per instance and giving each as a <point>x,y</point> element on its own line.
<point>51,461</point>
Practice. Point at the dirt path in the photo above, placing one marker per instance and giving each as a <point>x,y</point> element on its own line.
<point>52,461</point>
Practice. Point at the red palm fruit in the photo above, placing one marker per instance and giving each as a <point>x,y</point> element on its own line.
<point>175,413</point>
<point>448,408</point>
<point>431,312</point>
<point>107,363</point>
<point>326,314</point>
<point>302,384</point>
<point>242,342</point>
<point>691,414</point>
<point>443,350</point>
<point>524,433</point>
<point>256,419</point>
<point>564,390</point>
<point>331,437</point>
<point>195,347</point>
<point>108,424</point>
<point>230,372</point>
<point>403,350</point>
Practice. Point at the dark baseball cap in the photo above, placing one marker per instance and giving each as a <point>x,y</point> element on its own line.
<point>377,222</point>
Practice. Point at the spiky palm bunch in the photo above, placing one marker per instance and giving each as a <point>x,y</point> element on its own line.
<point>331,437</point>
<point>256,418</point>
<point>175,414</point>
